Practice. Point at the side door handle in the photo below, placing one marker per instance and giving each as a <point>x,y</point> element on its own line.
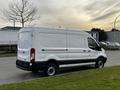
<point>89,50</point>
<point>84,51</point>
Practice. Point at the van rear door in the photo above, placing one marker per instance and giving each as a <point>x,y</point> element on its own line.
<point>24,46</point>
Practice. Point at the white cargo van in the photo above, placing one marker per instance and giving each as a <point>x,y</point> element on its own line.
<point>46,49</point>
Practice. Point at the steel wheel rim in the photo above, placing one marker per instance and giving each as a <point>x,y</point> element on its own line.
<point>51,71</point>
<point>100,64</point>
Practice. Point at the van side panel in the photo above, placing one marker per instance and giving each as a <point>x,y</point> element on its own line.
<point>50,46</point>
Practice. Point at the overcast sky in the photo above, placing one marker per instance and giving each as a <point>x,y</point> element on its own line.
<point>79,14</point>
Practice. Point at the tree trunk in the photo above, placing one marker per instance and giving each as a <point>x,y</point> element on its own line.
<point>23,24</point>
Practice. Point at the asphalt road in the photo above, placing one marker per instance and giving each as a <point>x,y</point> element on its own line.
<point>10,74</point>
<point>113,58</point>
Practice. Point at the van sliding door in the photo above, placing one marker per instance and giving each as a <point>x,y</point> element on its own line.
<point>53,45</point>
<point>77,50</point>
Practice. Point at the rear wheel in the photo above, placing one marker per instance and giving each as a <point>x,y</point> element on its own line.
<point>99,63</point>
<point>51,69</point>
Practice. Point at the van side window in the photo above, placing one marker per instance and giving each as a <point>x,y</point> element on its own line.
<point>92,44</point>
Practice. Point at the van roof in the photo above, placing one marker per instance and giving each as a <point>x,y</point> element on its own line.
<point>49,30</point>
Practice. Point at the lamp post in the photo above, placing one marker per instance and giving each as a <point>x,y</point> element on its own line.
<point>115,26</point>
<point>116,21</point>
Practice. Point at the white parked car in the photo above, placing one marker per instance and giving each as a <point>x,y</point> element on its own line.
<point>103,43</point>
<point>47,49</point>
<point>117,44</point>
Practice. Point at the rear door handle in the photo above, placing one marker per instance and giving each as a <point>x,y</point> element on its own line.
<point>84,50</point>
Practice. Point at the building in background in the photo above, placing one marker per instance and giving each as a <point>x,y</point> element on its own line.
<point>8,38</point>
<point>113,36</point>
<point>94,34</point>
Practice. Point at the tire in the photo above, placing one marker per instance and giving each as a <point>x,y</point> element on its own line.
<point>51,69</point>
<point>99,63</point>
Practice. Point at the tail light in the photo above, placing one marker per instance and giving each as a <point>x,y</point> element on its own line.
<point>32,55</point>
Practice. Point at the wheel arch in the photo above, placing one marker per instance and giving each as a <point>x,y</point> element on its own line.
<point>103,58</point>
<point>53,61</point>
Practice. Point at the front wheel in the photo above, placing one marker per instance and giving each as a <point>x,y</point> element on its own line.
<point>99,63</point>
<point>51,69</point>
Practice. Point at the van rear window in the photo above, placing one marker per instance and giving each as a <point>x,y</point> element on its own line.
<point>24,41</point>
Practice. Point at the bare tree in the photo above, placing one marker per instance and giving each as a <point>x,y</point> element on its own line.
<point>21,12</point>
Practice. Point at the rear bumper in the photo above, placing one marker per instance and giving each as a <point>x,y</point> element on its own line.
<point>29,66</point>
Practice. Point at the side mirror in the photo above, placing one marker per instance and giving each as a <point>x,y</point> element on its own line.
<point>99,48</point>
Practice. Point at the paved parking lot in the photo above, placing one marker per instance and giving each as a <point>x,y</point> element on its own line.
<point>9,73</point>
<point>113,58</point>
